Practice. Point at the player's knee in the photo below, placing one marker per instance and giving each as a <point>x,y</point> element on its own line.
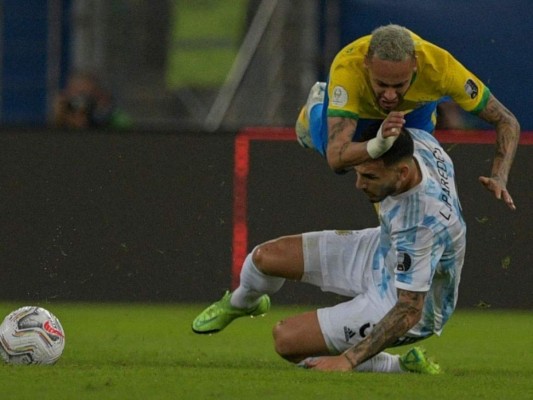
<point>282,257</point>
<point>284,343</point>
<point>265,255</point>
<point>260,257</point>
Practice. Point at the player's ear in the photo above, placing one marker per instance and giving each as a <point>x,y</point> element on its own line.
<point>404,170</point>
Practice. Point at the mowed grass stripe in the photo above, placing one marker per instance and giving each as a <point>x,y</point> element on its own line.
<point>148,351</point>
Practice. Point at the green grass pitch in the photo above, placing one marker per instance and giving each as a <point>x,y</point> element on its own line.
<point>139,351</point>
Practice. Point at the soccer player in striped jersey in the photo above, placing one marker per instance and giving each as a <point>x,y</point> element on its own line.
<point>403,276</point>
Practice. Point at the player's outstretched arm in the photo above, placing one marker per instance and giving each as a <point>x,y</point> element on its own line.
<point>343,154</point>
<point>507,137</point>
<point>402,317</point>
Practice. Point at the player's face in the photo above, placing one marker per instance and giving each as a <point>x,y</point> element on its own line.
<point>390,80</point>
<point>376,180</point>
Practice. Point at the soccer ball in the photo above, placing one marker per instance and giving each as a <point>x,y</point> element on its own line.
<point>31,335</point>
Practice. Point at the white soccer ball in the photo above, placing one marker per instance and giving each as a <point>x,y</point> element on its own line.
<point>31,335</point>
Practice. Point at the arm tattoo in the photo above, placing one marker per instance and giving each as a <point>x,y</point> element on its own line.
<point>340,136</point>
<point>402,317</point>
<point>342,150</point>
<point>335,130</point>
<point>507,136</point>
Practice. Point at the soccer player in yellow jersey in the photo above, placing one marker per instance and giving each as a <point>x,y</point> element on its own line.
<point>393,69</point>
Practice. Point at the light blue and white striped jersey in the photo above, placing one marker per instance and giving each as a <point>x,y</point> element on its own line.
<point>423,235</point>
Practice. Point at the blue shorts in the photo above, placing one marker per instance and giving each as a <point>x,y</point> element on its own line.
<point>422,118</point>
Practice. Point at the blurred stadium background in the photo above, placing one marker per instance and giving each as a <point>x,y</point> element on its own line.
<point>147,215</point>
<point>219,63</point>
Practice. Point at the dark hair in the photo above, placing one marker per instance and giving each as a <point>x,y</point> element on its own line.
<point>402,148</point>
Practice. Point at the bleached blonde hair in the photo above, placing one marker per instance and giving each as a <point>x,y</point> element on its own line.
<point>391,43</point>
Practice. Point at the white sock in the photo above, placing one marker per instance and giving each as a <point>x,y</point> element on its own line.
<point>382,362</point>
<point>253,284</point>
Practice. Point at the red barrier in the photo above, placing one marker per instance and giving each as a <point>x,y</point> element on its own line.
<point>242,168</point>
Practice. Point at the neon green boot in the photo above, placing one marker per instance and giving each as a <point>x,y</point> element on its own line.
<point>220,314</point>
<point>415,360</point>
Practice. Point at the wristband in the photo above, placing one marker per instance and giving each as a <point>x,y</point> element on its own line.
<point>377,146</point>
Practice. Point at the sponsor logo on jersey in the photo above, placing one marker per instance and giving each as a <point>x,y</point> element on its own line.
<point>471,88</point>
<point>404,262</point>
<point>340,96</point>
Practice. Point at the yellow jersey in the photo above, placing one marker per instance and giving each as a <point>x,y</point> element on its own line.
<point>438,75</point>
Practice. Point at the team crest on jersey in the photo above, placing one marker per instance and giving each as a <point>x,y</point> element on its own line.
<point>471,88</point>
<point>404,262</point>
<point>340,96</point>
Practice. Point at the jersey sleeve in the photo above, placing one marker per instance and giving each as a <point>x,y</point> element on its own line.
<point>343,92</point>
<point>465,88</point>
<point>346,83</point>
<point>414,255</point>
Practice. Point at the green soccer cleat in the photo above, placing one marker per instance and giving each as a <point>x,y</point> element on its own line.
<point>220,314</point>
<point>415,360</point>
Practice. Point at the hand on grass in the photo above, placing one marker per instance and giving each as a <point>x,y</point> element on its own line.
<point>328,363</point>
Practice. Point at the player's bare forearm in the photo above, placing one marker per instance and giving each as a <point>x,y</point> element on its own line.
<point>507,137</point>
<point>342,153</point>
<point>396,323</point>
